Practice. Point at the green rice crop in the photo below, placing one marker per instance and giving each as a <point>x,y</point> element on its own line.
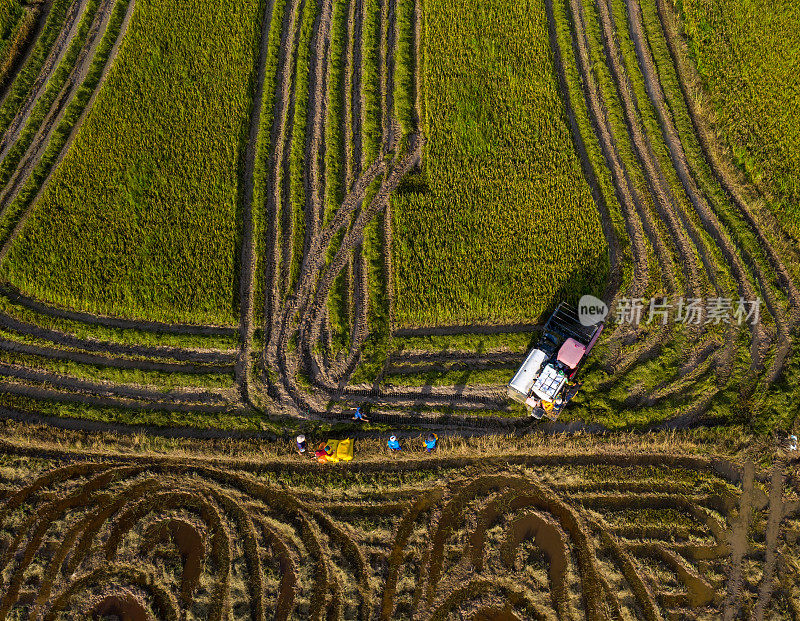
<point>140,220</point>
<point>10,13</point>
<point>18,89</point>
<point>46,100</point>
<point>748,55</point>
<point>500,223</point>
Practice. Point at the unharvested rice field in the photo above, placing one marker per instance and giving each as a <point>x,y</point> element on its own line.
<point>139,220</point>
<point>118,529</point>
<point>504,226</point>
<point>747,54</point>
<point>252,215</point>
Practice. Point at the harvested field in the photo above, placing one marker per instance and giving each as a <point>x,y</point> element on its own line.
<point>539,535</point>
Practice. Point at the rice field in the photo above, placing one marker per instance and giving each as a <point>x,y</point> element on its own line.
<point>267,212</point>
<point>224,224</point>
<point>140,219</point>
<point>127,528</point>
<point>747,54</point>
<point>500,224</point>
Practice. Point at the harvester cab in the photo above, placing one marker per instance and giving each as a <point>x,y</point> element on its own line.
<point>545,381</point>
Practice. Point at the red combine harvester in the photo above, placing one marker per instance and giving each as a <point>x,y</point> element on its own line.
<point>545,381</point>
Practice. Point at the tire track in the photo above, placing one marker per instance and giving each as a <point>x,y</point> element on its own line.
<point>112,389</point>
<point>390,182</point>
<point>500,356</point>
<point>18,298</point>
<point>347,94</point>
<point>44,392</point>
<point>724,171</point>
<point>64,339</point>
<point>54,58</point>
<point>40,142</point>
<point>84,68</point>
<point>773,535</point>
<point>115,362</point>
<point>639,224</point>
<point>248,257</point>
<point>314,180</point>
<point>313,291</point>
<point>9,73</point>
<point>725,178</point>
<point>663,199</point>
<point>609,232</point>
<point>678,158</point>
<point>278,141</point>
<point>739,545</point>
<point>687,175</point>
<point>287,208</point>
<point>388,51</point>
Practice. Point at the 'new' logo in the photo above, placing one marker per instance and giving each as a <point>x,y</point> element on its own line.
<point>591,310</point>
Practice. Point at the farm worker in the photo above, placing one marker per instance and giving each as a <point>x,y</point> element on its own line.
<point>301,444</point>
<point>394,444</point>
<point>430,442</point>
<point>792,442</point>
<point>359,415</point>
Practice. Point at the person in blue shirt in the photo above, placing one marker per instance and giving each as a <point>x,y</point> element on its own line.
<point>301,444</point>
<point>359,415</point>
<point>430,442</point>
<point>394,444</point>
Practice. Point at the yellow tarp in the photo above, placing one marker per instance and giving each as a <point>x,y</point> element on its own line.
<point>344,451</point>
<point>333,444</point>
<point>341,450</point>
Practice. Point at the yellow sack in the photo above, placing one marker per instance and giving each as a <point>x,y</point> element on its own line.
<point>333,444</point>
<point>345,450</point>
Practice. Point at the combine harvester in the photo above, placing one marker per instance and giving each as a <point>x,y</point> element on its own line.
<point>545,381</point>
